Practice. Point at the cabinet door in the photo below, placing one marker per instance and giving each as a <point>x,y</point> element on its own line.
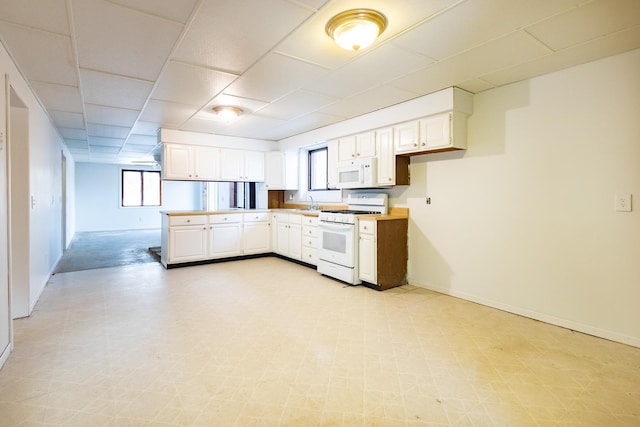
<point>256,238</point>
<point>435,132</point>
<point>347,148</point>
<point>366,144</point>
<point>177,161</point>
<point>187,243</point>
<point>231,165</point>
<point>225,240</point>
<point>406,137</point>
<point>295,241</point>
<point>274,174</point>
<point>207,163</point>
<point>253,166</point>
<point>386,157</point>
<point>367,258</point>
<point>283,238</point>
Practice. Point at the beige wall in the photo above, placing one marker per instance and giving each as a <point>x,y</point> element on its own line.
<point>524,220</point>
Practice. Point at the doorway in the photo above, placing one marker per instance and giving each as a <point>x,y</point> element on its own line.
<point>20,203</point>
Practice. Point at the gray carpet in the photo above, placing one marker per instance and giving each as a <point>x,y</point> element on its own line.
<point>100,249</point>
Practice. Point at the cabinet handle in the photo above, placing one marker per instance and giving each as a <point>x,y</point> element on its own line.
<point>389,179</point>
<point>188,220</point>
<point>415,145</point>
<point>424,143</point>
<point>357,154</point>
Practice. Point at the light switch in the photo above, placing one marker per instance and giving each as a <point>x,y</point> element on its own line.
<point>623,202</point>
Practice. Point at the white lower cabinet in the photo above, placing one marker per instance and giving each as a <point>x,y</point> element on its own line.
<point>310,240</point>
<point>367,251</point>
<point>225,235</point>
<point>186,239</point>
<point>257,233</point>
<point>288,237</point>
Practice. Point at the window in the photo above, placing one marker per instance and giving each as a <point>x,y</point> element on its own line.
<point>318,169</point>
<point>141,188</point>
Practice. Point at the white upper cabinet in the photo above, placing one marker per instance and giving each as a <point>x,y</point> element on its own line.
<point>386,157</point>
<point>190,162</point>
<point>440,132</point>
<point>435,132</point>
<point>241,165</point>
<point>354,146</point>
<point>281,170</point>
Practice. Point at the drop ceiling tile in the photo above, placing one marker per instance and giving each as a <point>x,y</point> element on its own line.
<point>368,101</point>
<point>371,70</point>
<point>50,15</point>
<point>67,120</point>
<point>474,22</point>
<point>76,143</point>
<point>107,142</point>
<point>231,35</point>
<point>146,140</point>
<point>145,128</point>
<point>400,14</point>
<point>132,148</point>
<point>80,154</point>
<point>273,77</point>
<point>474,63</point>
<point>94,129</point>
<point>42,56</point>
<point>115,39</point>
<point>251,126</point>
<point>58,97</point>
<point>103,149</point>
<point>620,42</point>
<point>190,84</point>
<point>103,157</point>
<point>110,115</point>
<point>313,4</point>
<point>114,91</point>
<point>587,22</point>
<point>475,85</point>
<point>78,134</point>
<point>178,11</point>
<point>302,124</point>
<point>296,104</point>
<point>167,114</point>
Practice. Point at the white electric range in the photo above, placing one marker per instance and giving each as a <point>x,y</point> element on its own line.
<point>338,248</point>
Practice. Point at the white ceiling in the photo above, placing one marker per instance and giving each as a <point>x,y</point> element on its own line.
<point>111,72</point>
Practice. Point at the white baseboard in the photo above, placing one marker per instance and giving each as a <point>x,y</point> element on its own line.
<point>5,355</point>
<point>521,311</point>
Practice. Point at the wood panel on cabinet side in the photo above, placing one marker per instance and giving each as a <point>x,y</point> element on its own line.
<point>392,253</point>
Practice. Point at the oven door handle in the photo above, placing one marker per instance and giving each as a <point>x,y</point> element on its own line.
<point>335,227</point>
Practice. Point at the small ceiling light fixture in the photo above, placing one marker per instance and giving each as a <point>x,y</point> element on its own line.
<point>356,28</point>
<point>227,112</point>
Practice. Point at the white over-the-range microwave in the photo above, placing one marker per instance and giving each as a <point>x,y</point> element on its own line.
<point>358,173</point>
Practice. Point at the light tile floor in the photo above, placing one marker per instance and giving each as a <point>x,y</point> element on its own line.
<point>266,342</point>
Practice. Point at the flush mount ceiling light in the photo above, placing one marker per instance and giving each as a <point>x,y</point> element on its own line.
<point>226,112</point>
<point>356,28</point>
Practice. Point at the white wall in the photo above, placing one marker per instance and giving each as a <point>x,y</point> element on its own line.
<point>44,185</point>
<point>524,220</point>
<point>97,192</point>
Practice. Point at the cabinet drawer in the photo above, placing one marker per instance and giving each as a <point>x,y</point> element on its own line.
<point>310,220</point>
<point>367,227</point>
<point>309,231</point>
<point>224,218</point>
<point>256,217</point>
<point>187,220</point>
<point>310,242</point>
<point>310,255</point>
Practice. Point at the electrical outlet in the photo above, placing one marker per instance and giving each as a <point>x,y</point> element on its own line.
<point>623,202</point>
